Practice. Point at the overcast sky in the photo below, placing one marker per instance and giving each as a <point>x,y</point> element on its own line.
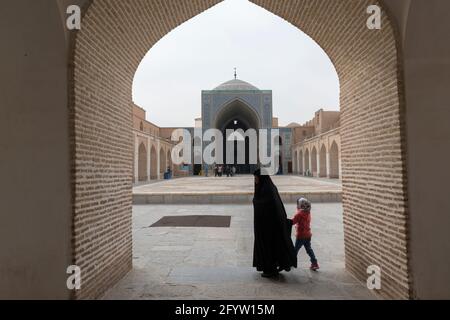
<point>202,53</point>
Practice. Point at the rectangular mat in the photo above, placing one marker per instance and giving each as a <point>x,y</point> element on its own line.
<point>194,221</point>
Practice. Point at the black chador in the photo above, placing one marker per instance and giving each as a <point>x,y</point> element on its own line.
<point>273,250</point>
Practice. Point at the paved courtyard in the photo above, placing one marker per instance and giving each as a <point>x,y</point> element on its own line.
<point>235,190</point>
<point>238,184</point>
<point>216,263</point>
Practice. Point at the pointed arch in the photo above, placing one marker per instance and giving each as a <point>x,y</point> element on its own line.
<point>333,25</point>
<point>323,162</point>
<point>153,163</point>
<point>169,160</point>
<point>334,161</point>
<point>300,162</point>
<point>239,109</point>
<point>307,161</point>
<point>295,162</point>
<point>314,161</point>
<point>162,161</point>
<point>142,163</point>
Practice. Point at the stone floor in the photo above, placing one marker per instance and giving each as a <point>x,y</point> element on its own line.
<point>215,263</point>
<point>238,184</point>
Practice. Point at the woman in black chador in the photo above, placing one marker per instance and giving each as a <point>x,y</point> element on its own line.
<point>273,250</point>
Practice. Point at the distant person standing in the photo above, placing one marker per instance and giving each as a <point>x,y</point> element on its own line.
<point>233,171</point>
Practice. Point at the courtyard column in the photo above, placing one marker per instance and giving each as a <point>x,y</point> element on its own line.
<point>149,147</point>
<point>136,158</point>
<point>328,165</point>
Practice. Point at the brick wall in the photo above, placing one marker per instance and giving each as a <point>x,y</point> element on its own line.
<point>140,118</point>
<point>115,36</point>
<point>373,159</point>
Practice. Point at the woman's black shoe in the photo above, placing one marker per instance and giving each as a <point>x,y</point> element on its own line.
<point>286,269</point>
<point>269,275</point>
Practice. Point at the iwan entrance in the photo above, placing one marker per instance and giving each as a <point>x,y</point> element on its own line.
<point>236,105</point>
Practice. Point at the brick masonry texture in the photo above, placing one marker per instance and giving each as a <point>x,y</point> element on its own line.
<point>115,36</point>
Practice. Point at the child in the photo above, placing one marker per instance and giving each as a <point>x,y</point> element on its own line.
<point>302,222</point>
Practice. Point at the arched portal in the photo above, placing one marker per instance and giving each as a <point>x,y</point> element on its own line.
<point>142,163</point>
<point>153,164</point>
<point>323,162</point>
<point>307,162</point>
<point>280,156</point>
<point>237,115</point>
<point>314,161</point>
<point>169,160</point>
<point>197,147</point>
<point>295,162</point>
<point>101,93</point>
<point>300,162</point>
<point>334,161</point>
<point>162,161</point>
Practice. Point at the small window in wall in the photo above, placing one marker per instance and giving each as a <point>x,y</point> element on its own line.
<point>142,126</point>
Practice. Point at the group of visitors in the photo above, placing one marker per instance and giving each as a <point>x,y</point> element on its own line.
<point>221,170</point>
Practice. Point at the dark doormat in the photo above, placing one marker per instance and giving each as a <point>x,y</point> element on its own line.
<point>194,221</point>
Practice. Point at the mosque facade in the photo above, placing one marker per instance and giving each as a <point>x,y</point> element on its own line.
<point>234,105</point>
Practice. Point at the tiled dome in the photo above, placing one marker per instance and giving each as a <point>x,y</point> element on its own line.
<point>236,85</point>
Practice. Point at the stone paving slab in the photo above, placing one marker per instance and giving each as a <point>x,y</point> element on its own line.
<point>194,221</point>
<point>216,263</point>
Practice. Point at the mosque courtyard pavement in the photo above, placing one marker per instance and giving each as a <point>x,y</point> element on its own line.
<point>237,184</point>
<point>236,190</point>
<point>216,263</point>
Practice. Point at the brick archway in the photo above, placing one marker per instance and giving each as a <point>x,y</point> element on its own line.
<point>314,156</point>
<point>295,161</point>
<point>323,161</point>
<point>142,163</point>
<point>162,161</point>
<point>169,160</point>
<point>107,51</point>
<point>307,161</point>
<point>334,161</point>
<point>300,162</point>
<point>153,164</point>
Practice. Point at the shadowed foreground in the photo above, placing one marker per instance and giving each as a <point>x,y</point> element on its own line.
<point>216,263</point>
